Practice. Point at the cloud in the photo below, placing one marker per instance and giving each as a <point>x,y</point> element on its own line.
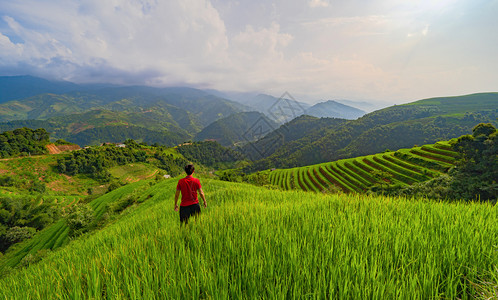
<point>318,3</point>
<point>133,36</point>
<point>262,45</point>
<point>9,50</point>
<point>349,49</point>
<point>426,30</point>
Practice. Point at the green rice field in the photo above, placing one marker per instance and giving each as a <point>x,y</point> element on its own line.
<point>253,242</point>
<point>403,167</point>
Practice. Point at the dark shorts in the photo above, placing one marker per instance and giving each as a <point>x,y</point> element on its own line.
<point>187,211</point>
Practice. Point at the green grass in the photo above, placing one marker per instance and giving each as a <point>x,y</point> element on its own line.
<point>134,172</point>
<point>461,104</point>
<point>43,169</point>
<point>257,243</point>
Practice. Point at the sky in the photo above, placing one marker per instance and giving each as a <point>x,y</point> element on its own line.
<point>374,50</point>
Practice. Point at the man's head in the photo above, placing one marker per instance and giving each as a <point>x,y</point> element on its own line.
<point>189,169</point>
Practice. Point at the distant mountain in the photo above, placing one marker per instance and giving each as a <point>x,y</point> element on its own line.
<point>19,87</point>
<point>204,107</point>
<point>364,105</point>
<point>292,136</point>
<point>240,127</point>
<point>286,108</point>
<point>279,110</point>
<point>99,126</point>
<point>400,126</point>
<point>333,109</point>
<point>91,114</point>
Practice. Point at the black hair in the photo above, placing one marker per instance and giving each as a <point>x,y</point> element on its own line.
<point>189,169</point>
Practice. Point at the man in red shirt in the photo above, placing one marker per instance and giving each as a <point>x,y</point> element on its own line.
<point>189,186</point>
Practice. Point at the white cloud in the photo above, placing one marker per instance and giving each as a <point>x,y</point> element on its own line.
<point>8,49</point>
<point>261,45</point>
<point>318,3</point>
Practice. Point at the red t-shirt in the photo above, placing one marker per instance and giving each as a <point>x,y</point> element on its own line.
<point>188,186</point>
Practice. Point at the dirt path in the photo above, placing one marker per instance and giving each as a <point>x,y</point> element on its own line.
<point>53,149</point>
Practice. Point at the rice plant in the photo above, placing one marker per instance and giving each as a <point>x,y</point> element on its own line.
<point>259,243</point>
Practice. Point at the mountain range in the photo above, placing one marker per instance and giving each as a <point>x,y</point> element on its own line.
<point>92,114</point>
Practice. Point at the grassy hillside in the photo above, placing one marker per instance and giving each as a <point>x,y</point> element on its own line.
<point>252,242</point>
<point>460,104</point>
<point>399,126</point>
<point>34,194</point>
<point>41,168</point>
<point>383,170</point>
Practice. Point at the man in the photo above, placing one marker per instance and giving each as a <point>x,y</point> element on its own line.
<point>189,186</point>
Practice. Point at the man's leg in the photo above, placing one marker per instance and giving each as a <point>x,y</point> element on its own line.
<point>187,211</point>
<point>184,214</point>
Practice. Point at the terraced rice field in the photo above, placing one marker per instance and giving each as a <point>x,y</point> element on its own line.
<point>403,167</point>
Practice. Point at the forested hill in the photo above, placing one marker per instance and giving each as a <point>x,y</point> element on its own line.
<point>240,127</point>
<point>20,87</point>
<point>401,126</point>
<point>98,126</point>
<point>292,135</point>
<point>203,107</point>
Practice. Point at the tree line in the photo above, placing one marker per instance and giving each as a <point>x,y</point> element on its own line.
<point>95,161</point>
<point>474,176</point>
<point>23,141</point>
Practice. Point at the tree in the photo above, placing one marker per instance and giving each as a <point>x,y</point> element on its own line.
<point>79,218</point>
<point>476,174</point>
<point>18,234</point>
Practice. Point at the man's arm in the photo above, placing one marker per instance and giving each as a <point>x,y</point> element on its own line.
<point>176,199</point>
<point>201,192</point>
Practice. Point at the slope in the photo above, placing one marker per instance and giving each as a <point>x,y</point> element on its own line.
<point>291,136</point>
<point>240,127</point>
<point>333,109</point>
<point>379,171</point>
<point>19,87</point>
<point>399,126</point>
<point>253,242</point>
<point>99,126</point>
